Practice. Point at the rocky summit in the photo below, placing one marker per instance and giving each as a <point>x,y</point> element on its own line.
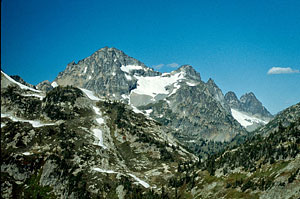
<point>111,127</point>
<point>108,72</point>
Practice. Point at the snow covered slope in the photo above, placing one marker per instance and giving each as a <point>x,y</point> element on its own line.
<point>246,119</point>
<point>154,88</point>
<point>12,81</point>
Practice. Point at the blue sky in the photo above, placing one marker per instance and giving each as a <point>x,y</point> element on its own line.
<point>235,42</point>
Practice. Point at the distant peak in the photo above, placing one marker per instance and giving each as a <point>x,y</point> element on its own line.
<point>248,96</point>
<point>231,95</point>
<point>106,49</point>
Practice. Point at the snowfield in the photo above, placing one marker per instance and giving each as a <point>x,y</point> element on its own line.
<point>145,184</point>
<point>128,68</point>
<point>90,94</point>
<point>98,135</point>
<point>245,120</point>
<point>155,85</point>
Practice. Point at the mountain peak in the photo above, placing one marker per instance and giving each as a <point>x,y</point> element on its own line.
<point>251,104</point>
<point>107,49</point>
<point>108,70</point>
<point>232,100</point>
<point>190,71</point>
<point>231,94</point>
<point>248,96</point>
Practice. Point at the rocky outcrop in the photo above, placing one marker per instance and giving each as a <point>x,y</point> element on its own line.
<point>44,86</point>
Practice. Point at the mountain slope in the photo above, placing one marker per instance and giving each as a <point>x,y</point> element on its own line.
<point>168,97</point>
<point>72,144</point>
<point>267,165</point>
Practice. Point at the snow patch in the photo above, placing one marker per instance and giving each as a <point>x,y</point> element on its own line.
<point>191,141</point>
<point>97,110</point>
<point>245,120</point>
<point>145,184</point>
<point>54,84</point>
<point>148,112</point>
<point>90,77</point>
<point>100,120</point>
<point>19,84</point>
<point>103,171</point>
<point>27,153</point>
<point>128,68</point>
<point>33,95</point>
<point>90,94</point>
<point>168,101</point>
<point>176,87</point>
<point>128,77</point>
<point>34,123</point>
<point>191,84</point>
<point>85,69</point>
<point>136,110</point>
<point>125,96</point>
<point>98,135</point>
<point>113,74</point>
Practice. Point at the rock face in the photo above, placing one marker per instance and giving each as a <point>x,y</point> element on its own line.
<point>44,86</point>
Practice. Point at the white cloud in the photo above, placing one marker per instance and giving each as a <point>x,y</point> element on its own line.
<point>158,66</point>
<point>173,65</point>
<point>280,70</point>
